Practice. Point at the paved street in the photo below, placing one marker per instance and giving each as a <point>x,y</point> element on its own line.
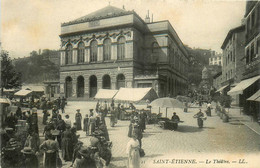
<point>216,137</point>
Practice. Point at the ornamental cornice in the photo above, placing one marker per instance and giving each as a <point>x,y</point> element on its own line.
<point>96,18</point>
<point>95,36</point>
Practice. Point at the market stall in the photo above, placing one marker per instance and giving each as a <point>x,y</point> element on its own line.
<point>134,95</point>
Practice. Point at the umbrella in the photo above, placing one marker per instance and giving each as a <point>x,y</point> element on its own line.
<point>167,102</point>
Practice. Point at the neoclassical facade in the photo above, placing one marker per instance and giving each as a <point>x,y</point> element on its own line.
<point>113,48</point>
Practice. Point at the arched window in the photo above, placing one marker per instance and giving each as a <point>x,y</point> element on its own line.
<point>155,47</point>
<point>68,54</point>
<point>93,51</point>
<point>106,82</point>
<point>155,52</point>
<point>107,49</point>
<point>81,52</point>
<point>121,48</point>
<point>120,80</point>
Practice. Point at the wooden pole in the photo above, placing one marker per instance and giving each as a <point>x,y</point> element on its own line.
<point>166,111</point>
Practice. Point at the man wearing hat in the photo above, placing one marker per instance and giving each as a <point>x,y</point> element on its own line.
<point>92,122</point>
<point>137,131</point>
<point>30,159</point>
<point>45,116</point>
<point>34,126</point>
<point>78,119</point>
<point>62,104</point>
<point>86,125</point>
<point>67,147</point>
<point>86,160</point>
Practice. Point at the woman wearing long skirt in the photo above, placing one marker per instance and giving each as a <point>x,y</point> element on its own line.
<point>92,123</point>
<point>78,118</point>
<point>85,122</point>
<point>66,145</point>
<point>133,154</point>
<point>51,152</point>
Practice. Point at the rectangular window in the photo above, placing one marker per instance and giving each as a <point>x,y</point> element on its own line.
<point>252,53</point>
<point>253,19</point>
<point>248,24</point>
<point>247,55</point>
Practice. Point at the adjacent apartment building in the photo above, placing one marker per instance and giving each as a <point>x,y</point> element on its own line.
<point>113,48</point>
<point>216,59</point>
<point>248,88</point>
<point>233,53</point>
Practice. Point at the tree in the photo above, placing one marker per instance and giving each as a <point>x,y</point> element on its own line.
<point>9,77</point>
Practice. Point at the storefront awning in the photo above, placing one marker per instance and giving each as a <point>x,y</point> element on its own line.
<point>222,88</point>
<point>239,88</point>
<point>23,93</point>
<point>105,94</point>
<point>136,94</point>
<point>255,97</point>
<point>5,101</point>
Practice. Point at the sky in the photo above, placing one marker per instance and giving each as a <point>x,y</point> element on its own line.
<point>28,25</point>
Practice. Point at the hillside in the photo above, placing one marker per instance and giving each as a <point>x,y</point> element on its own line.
<point>38,67</point>
<point>198,59</point>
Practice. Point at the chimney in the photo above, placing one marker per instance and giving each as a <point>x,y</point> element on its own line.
<point>147,18</point>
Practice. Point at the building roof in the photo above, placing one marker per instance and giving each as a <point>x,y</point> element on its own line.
<point>230,33</point>
<point>106,12</point>
<point>35,88</point>
<point>249,6</point>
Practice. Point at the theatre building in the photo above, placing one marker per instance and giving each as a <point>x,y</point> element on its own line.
<point>113,48</point>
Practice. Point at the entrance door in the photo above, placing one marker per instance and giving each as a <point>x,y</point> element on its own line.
<point>92,86</point>
<point>68,86</point>
<point>106,83</point>
<point>80,86</point>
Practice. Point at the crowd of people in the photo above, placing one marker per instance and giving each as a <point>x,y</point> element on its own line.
<point>61,142</point>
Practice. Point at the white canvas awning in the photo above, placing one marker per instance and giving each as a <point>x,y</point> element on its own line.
<point>5,100</point>
<point>105,94</point>
<point>222,88</point>
<point>23,92</point>
<point>239,88</point>
<point>136,94</point>
<point>255,97</point>
<point>35,88</point>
